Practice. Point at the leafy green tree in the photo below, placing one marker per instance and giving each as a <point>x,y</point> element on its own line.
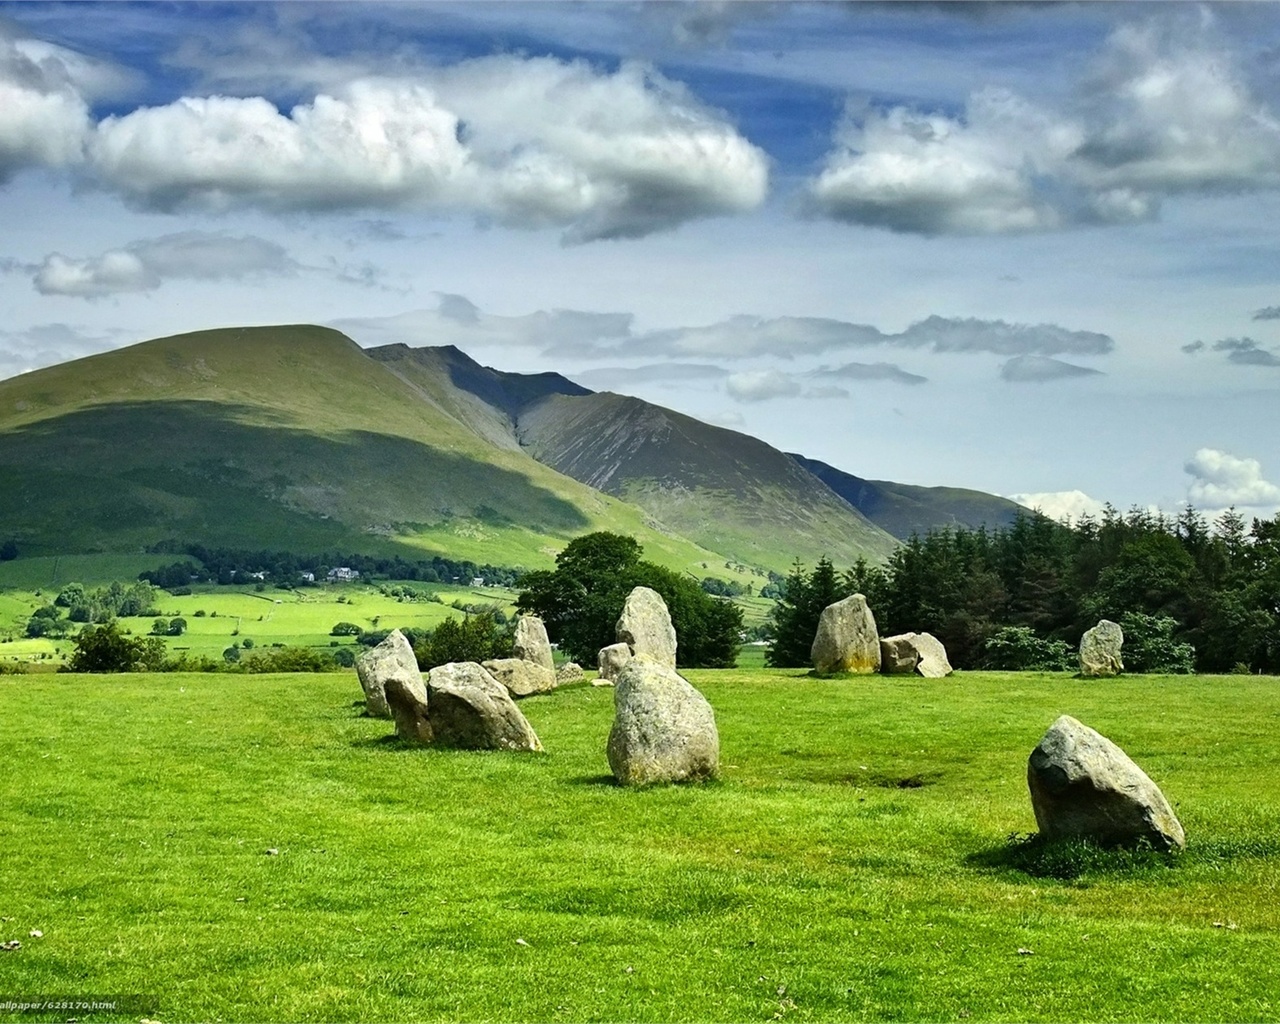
<point>345,629</point>
<point>177,626</point>
<point>1018,649</point>
<point>474,638</point>
<point>105,648</point>
<point>580,602</point>
<point>1149,645</point>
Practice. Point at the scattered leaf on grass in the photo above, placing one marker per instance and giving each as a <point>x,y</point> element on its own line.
<point>11,945</point>
<point>273,852</point>
<point>1023,951</point>
<point>36,933</point>
<point>521,942</point>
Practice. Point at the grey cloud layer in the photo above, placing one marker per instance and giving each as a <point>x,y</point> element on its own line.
<point>1157,117</point>
<point>143,265</point>
<point>1039,369</point>
<point>1241,351</point>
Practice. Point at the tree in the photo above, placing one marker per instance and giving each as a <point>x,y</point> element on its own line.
<point>475,638</point>
<point>580,602</point>
<point>796,614</point>
<point>177,627</point>
<point>8,550</point>
<point>105,648</point>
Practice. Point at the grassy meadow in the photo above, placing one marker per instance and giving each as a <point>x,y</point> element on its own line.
<point>252,848</point>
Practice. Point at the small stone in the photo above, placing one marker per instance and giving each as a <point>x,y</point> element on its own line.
<point>1100,650</point>
<point>568,673</point>
<point>273,852</point>
<point>611,659</point>
<point>521,678</point>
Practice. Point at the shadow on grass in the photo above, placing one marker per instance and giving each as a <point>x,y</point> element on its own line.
<point>594,780</point>
<point>388,742</point>
<point>1070,859</point>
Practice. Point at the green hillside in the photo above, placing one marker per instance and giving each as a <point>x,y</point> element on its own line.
<point>290,438</point>
<point>722,489</point>
<point>904,509</point>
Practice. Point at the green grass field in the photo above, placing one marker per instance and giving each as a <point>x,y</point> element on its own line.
<point>853,863</point>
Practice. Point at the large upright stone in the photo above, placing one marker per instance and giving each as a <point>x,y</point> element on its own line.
<point>645,627</point>
<point>391,659</point>
<point>471,710</point>
<point>846,640</point>
<point>530,642</point>
<point>1083,786</point>
<point>663,729</point>
<point>411,708</point>
<point>1100,650</point>
<point>611,659</point>
<point>521,678</point>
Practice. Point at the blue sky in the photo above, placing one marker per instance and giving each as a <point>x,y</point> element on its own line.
<point>1028,248</point>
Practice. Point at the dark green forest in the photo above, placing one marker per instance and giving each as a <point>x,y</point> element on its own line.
<point>1190,595</point>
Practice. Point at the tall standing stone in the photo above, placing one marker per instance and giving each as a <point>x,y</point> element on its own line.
<point>391,659</point>
<point>1100,650</point>
<point>645,626</point>
<point>847,640</point>
<point>530,642</point>
<point>1083,786</point>
<point>663,729</point>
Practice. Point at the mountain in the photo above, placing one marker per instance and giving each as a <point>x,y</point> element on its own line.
<point>724,490</point>
<point>904,509</point>
<point>295,438</point>
<point>290,438</point>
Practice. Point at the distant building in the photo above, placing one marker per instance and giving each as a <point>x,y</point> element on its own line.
<point>478,581</point>
<point>343,573</point>
<point>307,577</point>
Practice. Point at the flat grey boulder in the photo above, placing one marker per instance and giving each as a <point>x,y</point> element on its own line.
<point>645,627</point>
<point>898,655</point>
<point>611,659</point>
<point>1083,786</point>
<point>521,678</point>
<point>470,710</point>
<point>391,659</point>
<point>410,707</point>
<point>663,729</point>
<point>846,640</point>
<point>530,642</point>
<point>1100,650</point>
<point>569,672</point>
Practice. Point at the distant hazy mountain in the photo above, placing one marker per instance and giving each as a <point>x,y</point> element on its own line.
<point>904,509</point>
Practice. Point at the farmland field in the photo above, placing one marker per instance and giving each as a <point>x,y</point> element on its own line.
<point>854,862</point>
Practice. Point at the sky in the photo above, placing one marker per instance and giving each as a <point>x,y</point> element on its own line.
<point>1028,248</point>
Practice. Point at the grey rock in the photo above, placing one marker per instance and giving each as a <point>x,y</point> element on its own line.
<point>846,640</point>
<point>391,659</point>
<point>933,663</point>
<point>569,672</point>
<point>470,710</point>
<point>410,707</point>
<point>645,626</point>
<point>898,655</point>
<point>611,660</point>
<point>521,678</point>
<point>663,729</point>
<point>1083,786</point>
<point>1100,650</point>
<point>531,644</point>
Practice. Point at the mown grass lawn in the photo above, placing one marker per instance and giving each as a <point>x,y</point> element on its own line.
<point>853,863</point>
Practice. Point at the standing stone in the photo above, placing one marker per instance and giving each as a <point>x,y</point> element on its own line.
<point>1100,650</point>
<point>410,707</point>
<point>663,729</point>
<point>470,710</point>
<point>645,627</point>
<point>391,659</point>
<point>898,655</point>
<point>569,672</point>
<point>531,644</point>
<point>933,663</point>
<point>611,659</point>
<point>1083,786</point>
<point>520,677</point>
<point>847,640</point>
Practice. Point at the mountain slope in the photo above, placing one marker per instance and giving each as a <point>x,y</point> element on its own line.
<point>281,437</point>
<point>725,490</point>
<point>904,509</point>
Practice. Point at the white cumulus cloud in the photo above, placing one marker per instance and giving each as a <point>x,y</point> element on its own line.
<point>1059,504</point>
<point>44,119</point>
<point>527,142</point>
<point>1220,480</point>
<point>762,385</point>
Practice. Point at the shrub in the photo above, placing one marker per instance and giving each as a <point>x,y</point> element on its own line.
<point>1149,645</point>
<point>345,629</point>
<point>1018,649</point>
<point>476,638</point>
<point>105,648</point>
